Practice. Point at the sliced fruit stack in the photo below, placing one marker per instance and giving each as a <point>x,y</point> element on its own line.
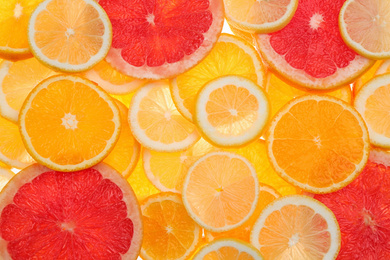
<point>137,129</point>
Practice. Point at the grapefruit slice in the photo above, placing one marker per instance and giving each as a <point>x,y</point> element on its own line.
<point>55,215</point>
<point>309,51</point>
<point>160,39</point>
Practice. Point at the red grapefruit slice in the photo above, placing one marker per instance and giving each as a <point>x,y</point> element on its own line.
<point>309,51</point>
<point>161,39</point>
<point>88,214</point>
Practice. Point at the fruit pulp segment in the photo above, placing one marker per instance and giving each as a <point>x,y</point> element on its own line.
<point>82,214</point>
<point>157,32</point>
<point>376,110</point>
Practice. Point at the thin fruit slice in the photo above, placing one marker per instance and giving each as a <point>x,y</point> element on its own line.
<point>260,16</point>
<point>231,111</point>
<point>311,131</point>
<point>126,152</point>
<point>169,232</point>
<point>58,215</point>
<point>228,249</point>
<point>14,19</point>
<point>17,79</point>
<point>369,74</point>
<point>220,191</point>
<point>245,35</point>
<point>309,51</point>
<point>155,121</point>
<point>361,209</point>
<point>167,170</point>
<point>69,36</point>
<point>12,150</point>
<point>112,80</point>
<point>5,176</point>
<point>68,123</point>
<point>157,40</point>
<point>297,227</point>
<point>364,26</point>
<point>383,68</point>
<point>230,56</point>
<point>372,103</point>
<point>125,98</point>
<point>266,195</point>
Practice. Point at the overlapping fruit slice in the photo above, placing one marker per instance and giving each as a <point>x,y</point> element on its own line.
<point>369,74</point>
<point>5,175</point>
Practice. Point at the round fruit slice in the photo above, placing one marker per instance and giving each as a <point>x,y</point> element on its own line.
<point>310,132</point>
<point>17,79</point>
<point>297,227</point>
<point>309,51</point>
<point>5,176</point>
<point>383,68</point>
<point>112,80</point>
<point>364,26</point>
<point>68,123</point>
<point>369,74</point>
<point>165,217</point>
<point>156,40</point>
<point>12,150</point>
<point>260,16</point>
<point>59,215</point>
<point>361,209</point>
<point>155,121</point>
<point>230,56</point>
<point>372,103</point>
<point>231,111</point>
<point>228,249</point>
<point>220,191</point>
<point>69,36</point>
<point>14,19</point>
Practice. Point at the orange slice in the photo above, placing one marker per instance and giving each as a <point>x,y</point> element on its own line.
<point>372,104</point>
<point>155,121</point>
<point>17,79</point>
<point>69,36</point>
<point>169,232</point>
<point>364,26</point>
<point>231,111</point>
<point>228,249</point>
<point>68,123</point>
<point>220,191</point>
<point>260,16</point>
<point>297,227</point>
<point>12,150</point>
<point>383,68</point>
<point>245,35</point>
<point>230,56</point>
<point>126,152</point>
<point>310,132</point>
<point>5,176</point>
<point>14,18</point>
<point>369,74</point>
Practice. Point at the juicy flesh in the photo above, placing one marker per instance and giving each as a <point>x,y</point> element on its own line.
<point>377,111</point>
<point>78,215</point>
<point>228,253</point>
<point>156,32</point>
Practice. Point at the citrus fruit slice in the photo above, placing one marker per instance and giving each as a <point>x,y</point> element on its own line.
<point>372,103</point>
<point>260,16</point>
<point>297,227</point>
<point>14,19</point>
<point>309,51</point>
<point>165,217</point>
<point>112,80</point>
<point>364,26</point>
<point>244,35</point>
<point>167,170</point>
<point>369,74</point>
<point>230,56</point>
<point>228,249</point>
<point>156,40</point>
<point>316,130</point>
<point>17,79</point>
<point>155,121</point>
<point>361,209</point>
<point>266,195</point>
<point>5,176</point>
<point>68,123</point>
<point>220,191</point>
<point>69,36</point>
<point>125,98</point>
<point>126,152</point>
<point>231,111</point>
<point>12,150</point>
<point>60,215</point>
<point>383,68</point>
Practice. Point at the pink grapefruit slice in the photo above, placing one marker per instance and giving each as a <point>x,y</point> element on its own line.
<point>88,214</point>
<point>309,52</point>
<point>161,39</point>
